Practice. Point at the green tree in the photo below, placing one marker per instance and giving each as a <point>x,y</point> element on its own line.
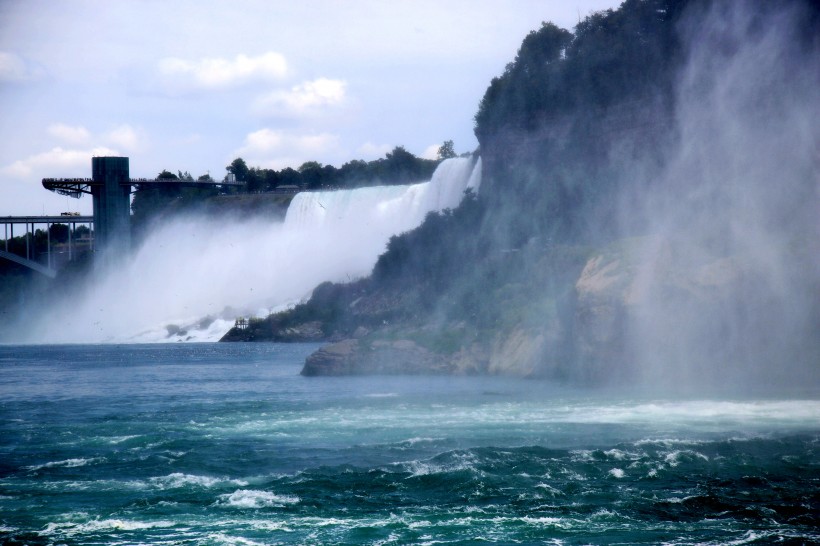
<point>400,165</point>
<point>290,177</point>
<point>58,233</point>
<point>446,150</point>
<point>239,169</point>
<point>312,174</point>
<point>255,180</point>
<point>167,175</point>
<point>309,165</point>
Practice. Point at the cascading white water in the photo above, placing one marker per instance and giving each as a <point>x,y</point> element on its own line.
<point>193,276</point>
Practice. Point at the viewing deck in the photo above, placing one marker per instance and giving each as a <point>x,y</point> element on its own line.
<point>74,187</point>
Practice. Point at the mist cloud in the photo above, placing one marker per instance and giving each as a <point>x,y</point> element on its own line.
<point>279,149</point>
<point>14,69</point>
<point>56,162</point>
<point>219,73</point>
<point>728,283</point>
<point>69,134</point>
<point>306,99</point>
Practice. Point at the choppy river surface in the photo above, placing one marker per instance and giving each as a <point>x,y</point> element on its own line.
<point>228,444</point>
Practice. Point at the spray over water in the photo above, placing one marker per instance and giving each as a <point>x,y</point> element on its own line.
<point>669,151</point>
<point>192,276</point>
<point>727,287</point>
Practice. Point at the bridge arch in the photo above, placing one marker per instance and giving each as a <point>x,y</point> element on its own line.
<point>49,268</point>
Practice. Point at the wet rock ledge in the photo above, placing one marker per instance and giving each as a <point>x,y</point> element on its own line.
<point>357,357</point>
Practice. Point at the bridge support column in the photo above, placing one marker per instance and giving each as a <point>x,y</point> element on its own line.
<point>112,205</point>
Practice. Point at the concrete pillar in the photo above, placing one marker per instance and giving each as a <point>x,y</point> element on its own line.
<point>112,205</point>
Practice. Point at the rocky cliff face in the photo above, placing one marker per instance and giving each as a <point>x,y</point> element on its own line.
<point>637,311</point>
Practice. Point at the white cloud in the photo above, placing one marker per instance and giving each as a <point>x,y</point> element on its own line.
<point>302,99</point>
<point>75,158</point>
<point>57,162</point>
<point>263,141</point>
<point>70,135</point>
<point>371,151</point>
<point>14,69</point>
<point>125,137</point>
<point>278,149</point>
<point>431,151</point>
<point>216,73</point>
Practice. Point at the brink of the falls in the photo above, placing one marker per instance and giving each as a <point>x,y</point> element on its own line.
<point>192,276</point>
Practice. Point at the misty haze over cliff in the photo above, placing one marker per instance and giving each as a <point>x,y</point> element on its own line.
<point>675,145</point>
<point>735,216</point>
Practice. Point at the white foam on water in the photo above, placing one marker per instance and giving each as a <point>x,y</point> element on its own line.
<point>178,479</point>
<point>97,525</point>
<point>460,461</point>
<point>676,457</point>
<point>121,439</point>
<point>248,498</point>
<point>796,412</point>
<point>67,463</point>
<point>222,538</point>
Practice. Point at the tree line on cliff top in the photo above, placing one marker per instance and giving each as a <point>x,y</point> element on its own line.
<point>397,167</point>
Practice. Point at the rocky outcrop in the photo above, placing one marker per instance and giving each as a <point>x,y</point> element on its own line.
<point>668,312</point>
<point>520,353</point>
<point>260,330</point>
<point>604,294</point>
<point>356,357</point>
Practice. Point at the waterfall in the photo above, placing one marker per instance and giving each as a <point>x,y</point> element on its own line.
<point>393,209</point>
<point>192,277</point>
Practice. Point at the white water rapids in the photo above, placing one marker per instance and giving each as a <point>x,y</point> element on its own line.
<point>193,276</point>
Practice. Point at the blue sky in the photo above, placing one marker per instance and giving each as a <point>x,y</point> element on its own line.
<point>190,85</point>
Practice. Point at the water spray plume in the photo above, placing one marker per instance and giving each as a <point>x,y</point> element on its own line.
<point>191,277</point>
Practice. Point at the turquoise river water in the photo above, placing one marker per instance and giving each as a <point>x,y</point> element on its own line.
<point>210,444</point>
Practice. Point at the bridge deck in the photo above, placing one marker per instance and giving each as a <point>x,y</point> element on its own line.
<point>52,219</point>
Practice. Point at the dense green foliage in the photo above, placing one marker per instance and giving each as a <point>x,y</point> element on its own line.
<point>557,126</point>
<point>397,167</point>
<point>613,56</point>
<point>432,255</point>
